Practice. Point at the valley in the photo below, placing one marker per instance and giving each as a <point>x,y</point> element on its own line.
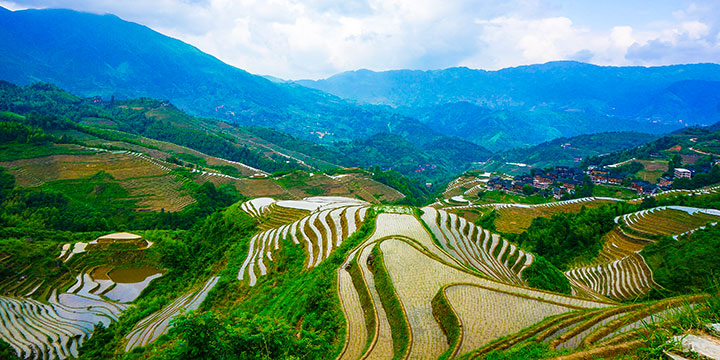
<point>159,203</point>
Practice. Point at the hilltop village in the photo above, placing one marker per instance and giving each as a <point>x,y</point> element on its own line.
<point>563,182</point>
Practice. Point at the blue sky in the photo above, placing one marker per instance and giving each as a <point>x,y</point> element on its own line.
<point>296,39</point>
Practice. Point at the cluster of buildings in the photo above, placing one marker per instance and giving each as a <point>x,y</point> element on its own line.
<point>564,180</point>
<point>664,183</point>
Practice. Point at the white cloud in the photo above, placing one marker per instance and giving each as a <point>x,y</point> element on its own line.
<point>317,38</point>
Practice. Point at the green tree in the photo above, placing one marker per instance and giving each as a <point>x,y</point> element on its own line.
<point>528,190</point>
<point>7,352</point>
<point>7,183</point>
<point>586,189</point>
<point>202,336</point>
<point>487,220</point>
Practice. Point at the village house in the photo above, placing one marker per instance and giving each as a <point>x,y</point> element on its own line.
<point>643,187</point>
<point>570,184</point>
<point>680,172</point>
<point>616,179</point>
<point>665,182</point>
<point>599,176</point>
<point>558,193</point>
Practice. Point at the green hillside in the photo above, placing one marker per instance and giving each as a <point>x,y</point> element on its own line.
<point>94,55</point>
<point>568,151</point>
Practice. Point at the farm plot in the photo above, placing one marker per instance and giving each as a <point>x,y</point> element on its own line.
<point>302,185</point>
<point>625,278</point>
<point>602,333</point>
<point>622,329</point>
<point>244,170</point>
<point>477,248</point>
<point>465,185</point>
<point>480,318</point>
<point>315,203</point>
<point>217,179</point>
<point>150,328</point>
<point>258,206</point>
<point>277,216</point>
<point>617,244</point>
<point>353,311</point>
<point>369,190</point>
<point>321,232</point>
<point>56,329</point>
<point>515,218</point>
<point>417,277</point>
<point>668,220</point>
<point>387,224</point>
<point>37,331</point>
<point>121,165</point>
<point>418,269</point>
<point>257,187</point>
<point>158,192</point>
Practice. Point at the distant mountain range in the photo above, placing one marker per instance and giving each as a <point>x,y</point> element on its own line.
<point>631,92</point>
<point>497,110</point>
<point>565,151</point>
<point>527,105</point>
<point>106,56</point>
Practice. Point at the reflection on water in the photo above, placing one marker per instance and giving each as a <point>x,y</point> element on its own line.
<point>130,282</point>
<point>133,275</point>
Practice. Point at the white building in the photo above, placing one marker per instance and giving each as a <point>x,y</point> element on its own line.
<point>680,172</point>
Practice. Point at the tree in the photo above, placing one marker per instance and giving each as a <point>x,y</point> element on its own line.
<point>7,183</point>
<point>675,162</point>
<point>487,221</point>
<point>201,336</point>
<point>648,203</point>
<point>7,352</point>
<point>528,190</point>
<point>586,189</point>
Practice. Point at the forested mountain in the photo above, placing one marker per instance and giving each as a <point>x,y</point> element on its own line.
<point>527,105</point>
<point>517,107</point>
<point>619,91</point>
<point>106,56</point>
<point>570,151</point>
<point>504,129</point>
<point>699,141</point>
<point>263,148</point>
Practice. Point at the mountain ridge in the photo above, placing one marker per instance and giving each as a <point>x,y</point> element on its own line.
<point>104,55</point>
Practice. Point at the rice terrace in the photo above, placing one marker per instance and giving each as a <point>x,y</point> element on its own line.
<point>408,180</point>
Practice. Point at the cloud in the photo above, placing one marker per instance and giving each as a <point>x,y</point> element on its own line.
<point>317,38</point>
<point>584,55</point>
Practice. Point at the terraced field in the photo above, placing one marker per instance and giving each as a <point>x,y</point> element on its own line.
<point>625,278</point>
<point>48,317</point>
<point>668,220</point>
<point>601,333</point>
<point>515,218</point>
<point>150,328</point>
<point>258,187</point>
<point>57,327</point>
<point>329,222</point>
<point>145,178</point>
<point>257,207</point>
<point>418,270</point>
<point>617,244</point>
<point>120,164</point>
<point>158,193</point>
<point>708,190</point>
<point>619,271</point>
<point>477,248</point>
<point>466,185</point>
<point>368,189</point>
<point>446,261</point>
